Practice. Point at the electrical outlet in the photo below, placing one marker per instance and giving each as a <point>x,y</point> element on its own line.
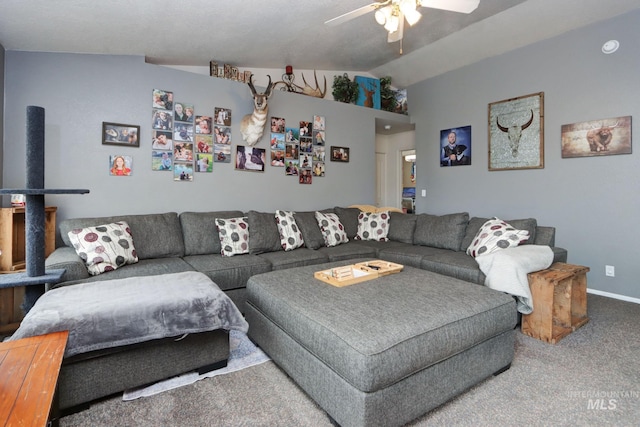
<point>610,270</point>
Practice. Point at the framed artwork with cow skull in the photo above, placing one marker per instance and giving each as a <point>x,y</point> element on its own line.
<point>516,133</point>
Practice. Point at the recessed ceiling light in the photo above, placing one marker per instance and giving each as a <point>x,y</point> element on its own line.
<point>387,127</point>
<point>610,46</point>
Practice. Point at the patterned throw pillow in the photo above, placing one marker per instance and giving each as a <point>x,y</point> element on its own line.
<point>331,228</point>
<point>290,234</point>
<point>494,235</point>
<point>373,226</point>
<point>104,247</point>
<point>234,235</point>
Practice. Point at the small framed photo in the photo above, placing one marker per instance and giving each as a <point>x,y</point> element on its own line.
<point>250,158</point>
<point>339,154</point>
<point>119,134</point>
<point>247,76</point>
<point>120,165</point>
<point>213,69</point>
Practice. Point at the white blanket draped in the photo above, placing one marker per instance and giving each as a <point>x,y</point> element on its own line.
<point>507,270</point>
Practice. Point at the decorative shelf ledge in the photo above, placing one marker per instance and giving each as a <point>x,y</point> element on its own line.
<point>42,191</point>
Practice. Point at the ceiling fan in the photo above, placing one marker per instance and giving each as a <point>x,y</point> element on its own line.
<point>392,13</point>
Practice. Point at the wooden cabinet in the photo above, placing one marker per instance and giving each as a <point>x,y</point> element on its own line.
<point>12,259</point>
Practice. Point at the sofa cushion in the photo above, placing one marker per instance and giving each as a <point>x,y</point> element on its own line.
<point>352,249</point>
<point>401,227</point>
<point>200,232</point>
<point>234,235</point>
<point>453,264</point>
<point>290,234</point>
<point>529,224</point>
<point>104,247</point>
<point>406,253</point>
<point>445,231</point>
<point>310,231</point>
<point>155,235</point>
<point>495,235</point>
<point>263,232</point>
<point>331,228</point>
<point>295,258</point>
<point>373,226</point>
<point>229,272</point>
<point>348,218</point>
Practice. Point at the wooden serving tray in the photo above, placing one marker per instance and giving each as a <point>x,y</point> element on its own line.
<point>356,273</point>
<point>345,276</point>
<point>382,267</point>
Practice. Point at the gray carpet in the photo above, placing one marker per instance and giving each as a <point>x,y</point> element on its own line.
<point>591,377</point>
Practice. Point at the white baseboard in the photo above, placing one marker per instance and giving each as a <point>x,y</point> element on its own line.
<point>611,295</point>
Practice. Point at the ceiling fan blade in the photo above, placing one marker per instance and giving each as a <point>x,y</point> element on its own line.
<point>354,13</point>
<point>399,33</point>
<point>461,6</point>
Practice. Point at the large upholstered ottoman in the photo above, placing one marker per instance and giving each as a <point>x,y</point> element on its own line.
<point>385,351</point>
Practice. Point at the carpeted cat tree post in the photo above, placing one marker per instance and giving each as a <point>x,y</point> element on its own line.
<point>36,276</point>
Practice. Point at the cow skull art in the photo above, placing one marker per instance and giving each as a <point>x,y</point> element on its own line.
<point>514,133</point>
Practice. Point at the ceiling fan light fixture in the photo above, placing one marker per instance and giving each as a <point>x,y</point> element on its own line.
<point>382,15</point>
<point>412,16</point>
<point>392,24</point>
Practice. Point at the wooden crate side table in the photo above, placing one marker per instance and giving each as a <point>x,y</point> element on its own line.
<point>559,302</point>
<point>29,370</point>
<point>13,259</point>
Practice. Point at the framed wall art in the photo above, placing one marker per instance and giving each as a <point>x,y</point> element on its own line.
<point>119,134</point>
<point>603,137</point>
<point>516,133</point>
<point>455,146</point>
<point>339,154</point>
<point>250,158</point>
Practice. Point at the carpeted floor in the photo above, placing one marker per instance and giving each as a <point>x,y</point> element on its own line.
<point>591,377</point>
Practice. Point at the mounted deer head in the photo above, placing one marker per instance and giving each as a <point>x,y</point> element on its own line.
<point>252,125</point>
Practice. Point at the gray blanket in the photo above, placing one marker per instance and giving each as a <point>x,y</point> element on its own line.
<point>119,312</point>
<point>506,270</point>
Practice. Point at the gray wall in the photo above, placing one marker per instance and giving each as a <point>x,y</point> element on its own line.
<point>594,202</point>
<point>79,92</point>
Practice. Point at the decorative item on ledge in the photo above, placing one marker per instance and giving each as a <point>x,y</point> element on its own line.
<point>344,89</point>
<point>34,212</point>
<point>287,84</point>
<point>228,71</point>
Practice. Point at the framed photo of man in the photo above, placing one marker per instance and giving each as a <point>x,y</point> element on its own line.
<point>455,146</point>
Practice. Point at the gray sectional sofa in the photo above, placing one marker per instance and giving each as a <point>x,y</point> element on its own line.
<point>171,243</point>
<point>189,241</point>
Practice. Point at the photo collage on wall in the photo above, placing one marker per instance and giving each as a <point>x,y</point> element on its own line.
<point>222,134</point>
<point>183,142</point>
<point>300,150</point>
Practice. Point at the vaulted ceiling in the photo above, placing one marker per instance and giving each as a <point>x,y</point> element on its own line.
<point>274,33</point>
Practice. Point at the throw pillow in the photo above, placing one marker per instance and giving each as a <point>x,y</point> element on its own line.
<point>496,234</point>
<point>290,234</point>
<point>349,218</point>
<point>104,247</point>
<point>373,226</point>
<point>444,231</point>
<point>263,233</point>
<point>234,235</point>
<point>331,228</point>
<point>401,227</point>
<point>311,233</point>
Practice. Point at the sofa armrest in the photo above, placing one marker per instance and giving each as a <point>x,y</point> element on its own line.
<point>67,258</point>
<point>559,254</point>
